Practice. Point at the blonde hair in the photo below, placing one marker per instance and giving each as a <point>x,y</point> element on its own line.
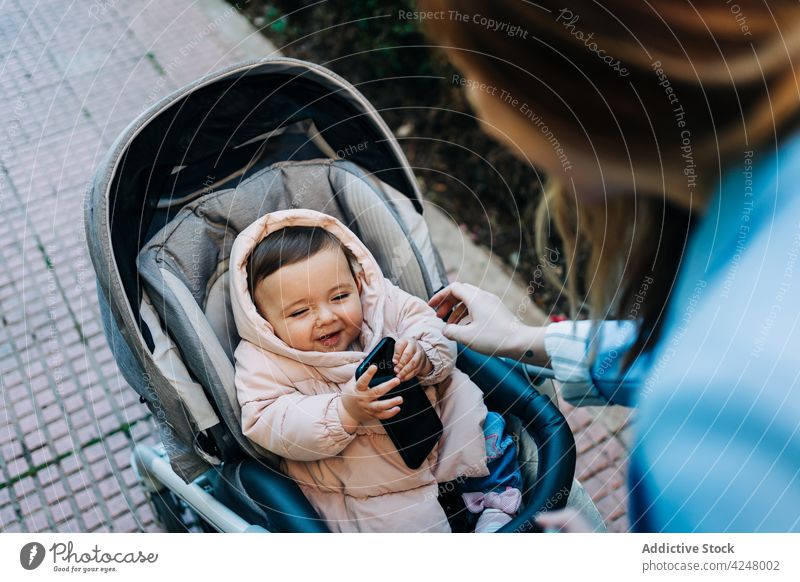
<point>633,81</point>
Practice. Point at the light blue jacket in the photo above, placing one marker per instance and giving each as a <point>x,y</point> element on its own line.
<point>718,426</point>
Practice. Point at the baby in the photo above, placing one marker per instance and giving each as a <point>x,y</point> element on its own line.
<point>310,302</point>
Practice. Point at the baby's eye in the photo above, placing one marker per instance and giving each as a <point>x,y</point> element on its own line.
<point>298,313</point>
<point>342,296</point>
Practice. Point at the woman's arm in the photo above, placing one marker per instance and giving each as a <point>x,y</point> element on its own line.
<point>480,320</point>
<point>587,382</point>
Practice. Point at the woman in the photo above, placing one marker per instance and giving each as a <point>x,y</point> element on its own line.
<point>667,134</point>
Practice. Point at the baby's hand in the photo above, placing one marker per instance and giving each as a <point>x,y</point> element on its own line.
<point>361,402</point>
<point>410,360</point>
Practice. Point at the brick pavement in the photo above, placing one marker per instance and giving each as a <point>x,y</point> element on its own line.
<point>601,439</point>
<point>73,74</point>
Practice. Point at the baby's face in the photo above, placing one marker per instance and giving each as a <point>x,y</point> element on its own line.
<point>313,305</point>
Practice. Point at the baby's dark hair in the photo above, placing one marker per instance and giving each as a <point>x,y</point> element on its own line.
<point>288,246</point>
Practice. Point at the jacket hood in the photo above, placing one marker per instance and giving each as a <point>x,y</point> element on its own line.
<point>252,327</point>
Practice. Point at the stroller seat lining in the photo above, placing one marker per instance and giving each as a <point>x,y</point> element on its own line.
<point>217,309</point>
<point>184,267</point>
<point>168,359</point>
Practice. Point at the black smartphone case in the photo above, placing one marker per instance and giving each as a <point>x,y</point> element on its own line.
<point>417,428</point>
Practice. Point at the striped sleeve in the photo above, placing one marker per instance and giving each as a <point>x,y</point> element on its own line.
<point>585,382</point>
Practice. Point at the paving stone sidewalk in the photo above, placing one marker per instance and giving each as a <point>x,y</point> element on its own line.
<point>72,75</point>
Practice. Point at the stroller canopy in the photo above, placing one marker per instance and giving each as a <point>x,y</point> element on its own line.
<point>215,126</point>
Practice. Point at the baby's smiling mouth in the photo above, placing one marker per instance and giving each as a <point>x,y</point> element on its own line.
<point>330,338</point>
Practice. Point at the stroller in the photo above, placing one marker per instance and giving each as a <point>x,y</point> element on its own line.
<point>162,213</point>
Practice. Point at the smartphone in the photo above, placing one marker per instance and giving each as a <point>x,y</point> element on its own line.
<point>417,428</point>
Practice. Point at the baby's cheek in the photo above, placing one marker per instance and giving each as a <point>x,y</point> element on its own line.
<point>295,334</point>
<point>356,316</point>
<point>285,335</point>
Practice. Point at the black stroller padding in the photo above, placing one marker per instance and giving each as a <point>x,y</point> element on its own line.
<point>511,393</point>
<point>264,496</point>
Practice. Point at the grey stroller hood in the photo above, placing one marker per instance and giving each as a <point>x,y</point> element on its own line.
<point>180,183</point>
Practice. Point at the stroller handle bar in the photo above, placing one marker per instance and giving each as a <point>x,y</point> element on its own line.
<point>508,389</point>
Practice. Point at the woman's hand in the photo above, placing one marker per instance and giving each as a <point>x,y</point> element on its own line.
<point>359,402</point>
<point>410,360</point>
<point>491,329</point>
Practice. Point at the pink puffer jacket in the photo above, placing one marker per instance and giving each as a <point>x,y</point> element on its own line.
<point>357,482</point>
